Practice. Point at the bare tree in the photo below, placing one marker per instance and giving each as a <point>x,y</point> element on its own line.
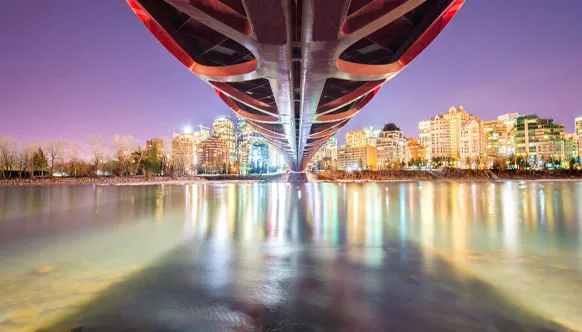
<point>52,151</point>
<point>73,156</point>
<point>62,146</point>
<point>119,149</point>
<point>97,144</point>
<point>122,148</point>
<point>7,153</point>
<point>167,153</point>
<point>25,162</point>
<point>22,161</point>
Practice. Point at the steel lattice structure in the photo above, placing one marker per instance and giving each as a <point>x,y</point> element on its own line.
<point>296,70</point>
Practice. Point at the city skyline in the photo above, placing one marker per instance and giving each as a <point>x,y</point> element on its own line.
<point>492,139</point>
<point>101,82</point>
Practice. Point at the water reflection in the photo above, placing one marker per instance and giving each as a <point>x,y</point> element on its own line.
<point>245,239</point>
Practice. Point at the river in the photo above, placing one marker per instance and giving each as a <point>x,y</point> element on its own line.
<point>402,256</point>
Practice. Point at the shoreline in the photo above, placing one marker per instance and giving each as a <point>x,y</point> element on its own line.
<point>134,180</point>
<point>450,175</point>
<point>317,178</point>
<point>448,180</point>
<point>65,181</point>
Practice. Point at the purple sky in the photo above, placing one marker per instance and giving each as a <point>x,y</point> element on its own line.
<point>72,68</point>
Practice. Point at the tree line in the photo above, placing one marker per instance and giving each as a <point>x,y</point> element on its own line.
<point>119,155</point>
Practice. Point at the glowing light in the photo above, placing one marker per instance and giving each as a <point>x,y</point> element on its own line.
<point>187,129</point>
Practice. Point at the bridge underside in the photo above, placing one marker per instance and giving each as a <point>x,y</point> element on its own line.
<point>296,70</point>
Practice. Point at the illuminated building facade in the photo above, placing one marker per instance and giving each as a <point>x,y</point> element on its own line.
<point>424,129</point>
<point>330,148</point>
<point>578,132</point>
<point>538,139</point>
<point>391,148</point>
<point>357,154</point>
<point>416,152</point>
<point>183,154</point>
<point>259,156</point>
<point>213,156</point>
<point>248,141</point>
<point>499,137</point>
<point>326,157</point>
<point>223,127</point>
<point>244,149</point>
<point>361,157</point>
<point>356,138</point>
<point>373,136</point>
<point>508,119</point>
<point>202,134</point>
<point>570,148</point>
<point>471,140</point>
<point>297,71</point>
<point>453,135</point>
<point>315,162</point>
<point>493,132</point>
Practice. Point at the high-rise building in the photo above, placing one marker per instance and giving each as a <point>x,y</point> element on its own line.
<point>471,139</point>
<point>213,155</point>
<point>246,137</point>
<point>330,148</point>
<point>499,137</point>
<point>452,135</point>
<point>508,119</point>
<point>424,128</point>
<point>357,153</point>
<point>362,157</point>
<point>202,134</point>
<point>578,126</point>
<point>241,125</point>
<point>259,156</point>
<point>356,138</point>
<point>391,147</point>
<point>570,148</point>
<point>492,133</point>
<point>373,136</point>
<point>415,149</point>
<point>223,127</point>
<point>184,153</point>
<point>326,157</point>
<point>314,163</point>
<point>329,158</point>
<point>538,139</point>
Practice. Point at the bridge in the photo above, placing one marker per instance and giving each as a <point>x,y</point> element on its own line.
<point>296,70</point>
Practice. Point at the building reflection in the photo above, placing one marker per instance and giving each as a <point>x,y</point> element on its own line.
<point>252,238</point>
<point>510,216</point>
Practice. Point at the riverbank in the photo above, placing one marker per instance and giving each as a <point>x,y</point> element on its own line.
<point>450,174</point>
<point>136,180</point>
<point>102,180</point>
